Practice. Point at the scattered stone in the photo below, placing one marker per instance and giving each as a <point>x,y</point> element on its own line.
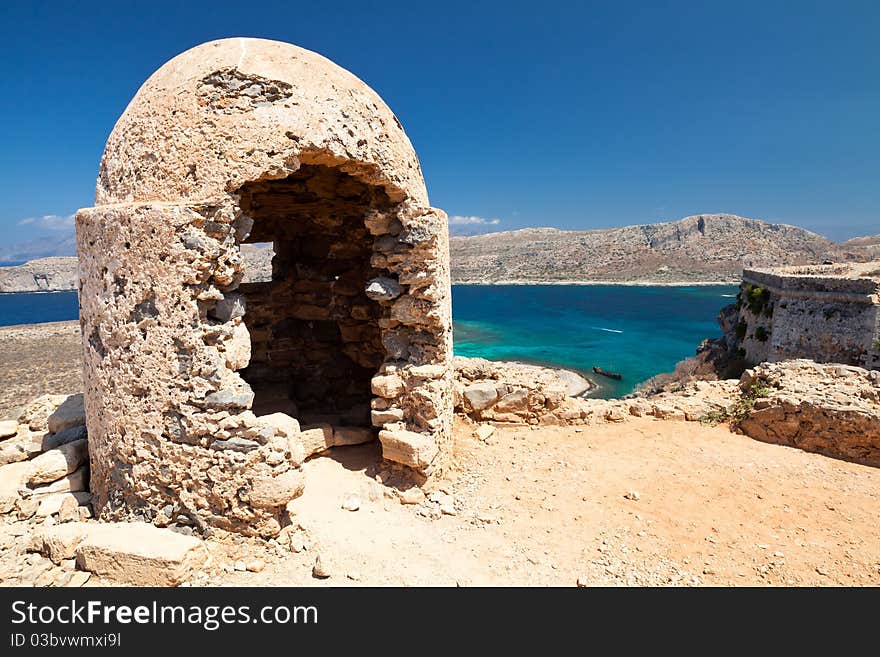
<point>59,462</point>
<point>69,511</point>
<point>8,428</point>
<point>351,503</point>
<point>275,492</point>
<point>69,413</point>
<point>583,582</point>
<point>480,395</point>
<point>78,579</point>
<point>239,566</point>
<point>411,495</point>
<point>354,575</point>
<point>484,432</point>
<point>632,495</point>
<point>319,570</point>
<point>27,508</point>
<point>52,503</point>
<point>256,566</point>
<point>53,440</point>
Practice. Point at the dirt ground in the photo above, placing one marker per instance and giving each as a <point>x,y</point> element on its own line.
<point>645,502</point>
<point>36,359</point>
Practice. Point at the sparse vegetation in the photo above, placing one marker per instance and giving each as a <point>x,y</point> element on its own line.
<point>741,329</point>
<point>762,334</point>
<point>742,408</point>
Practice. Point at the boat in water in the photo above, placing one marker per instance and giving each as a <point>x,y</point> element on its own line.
<point>610,375</point>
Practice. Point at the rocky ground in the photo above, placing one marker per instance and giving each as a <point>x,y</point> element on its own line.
<point>36,359</point>
<point>633,494</point>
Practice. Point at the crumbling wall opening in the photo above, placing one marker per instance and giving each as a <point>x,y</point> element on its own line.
<point>316,340</point>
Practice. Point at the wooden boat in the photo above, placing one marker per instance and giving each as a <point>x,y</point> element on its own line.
<point>610,375</point>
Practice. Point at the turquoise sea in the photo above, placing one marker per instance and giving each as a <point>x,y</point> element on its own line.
<point>637,331</point>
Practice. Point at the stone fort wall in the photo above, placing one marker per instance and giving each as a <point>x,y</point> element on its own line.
<point>826,313</point>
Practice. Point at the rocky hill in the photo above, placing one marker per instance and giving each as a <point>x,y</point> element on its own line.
<point>708,247</point>
<point>43,275</point>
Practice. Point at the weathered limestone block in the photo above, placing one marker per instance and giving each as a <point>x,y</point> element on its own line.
<point>276,492</point>
<point>51,504</point>
<point>59,542</point>
<point>76,481</point>
<point>12,477</point>
<point>388,386</point>
<point>139,554</point>
<point>36,414</point>
<point>8,428</point>
<point>480,396</point>
<point>20,447</point>
<point>409,448</point>
<point>59,462</point>
<point>69,435</point>
<point>69,413</point>
<point>829,409</point>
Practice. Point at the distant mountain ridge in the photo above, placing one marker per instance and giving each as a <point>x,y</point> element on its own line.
<point>700,248</point>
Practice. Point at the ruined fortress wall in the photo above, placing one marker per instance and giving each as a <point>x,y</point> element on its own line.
<point>799,314</point>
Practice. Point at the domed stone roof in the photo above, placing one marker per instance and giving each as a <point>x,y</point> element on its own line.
<point>237,110</point>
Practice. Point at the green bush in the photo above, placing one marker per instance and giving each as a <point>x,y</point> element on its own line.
<point>762,334</point>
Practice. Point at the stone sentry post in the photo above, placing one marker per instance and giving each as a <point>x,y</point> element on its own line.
<point>204,394</point>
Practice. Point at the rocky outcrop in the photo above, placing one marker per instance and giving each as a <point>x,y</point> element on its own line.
<point>44,463</point>
<point>829,409</point>
<point>708,247</point>
<point>512,392</point>
<point>43,275</point>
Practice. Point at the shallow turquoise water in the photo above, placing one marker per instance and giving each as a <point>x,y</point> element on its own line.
<point>637,331</point>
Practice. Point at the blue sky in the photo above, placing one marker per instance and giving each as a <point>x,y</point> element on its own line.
<point>568,114</point>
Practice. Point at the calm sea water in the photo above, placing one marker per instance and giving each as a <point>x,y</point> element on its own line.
<point>637,331</point>
<point>35,307</point>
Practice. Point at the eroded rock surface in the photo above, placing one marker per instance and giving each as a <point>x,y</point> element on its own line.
<point>829,409</point>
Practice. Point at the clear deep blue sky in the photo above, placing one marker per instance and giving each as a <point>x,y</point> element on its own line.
<point>575,115</point>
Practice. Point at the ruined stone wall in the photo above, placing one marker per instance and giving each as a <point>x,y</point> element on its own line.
<point>810,313</point>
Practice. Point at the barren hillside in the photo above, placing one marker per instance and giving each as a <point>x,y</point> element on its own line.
<point>709,247</point>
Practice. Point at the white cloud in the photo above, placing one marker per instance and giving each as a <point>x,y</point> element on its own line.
<point>458,220</point>
<point>49,222</point>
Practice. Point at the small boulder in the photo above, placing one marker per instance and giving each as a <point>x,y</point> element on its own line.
<point>275,492</point>
<point>76,481</point>
<point>58,542</point>
<point>70,413</point>
<point>480,396</point>
<point>36,414</point>
<point>8,428</point>
<point>54,502</point>
<point>484,432</point>
<point>53,440</point>
<point>59,462</point>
